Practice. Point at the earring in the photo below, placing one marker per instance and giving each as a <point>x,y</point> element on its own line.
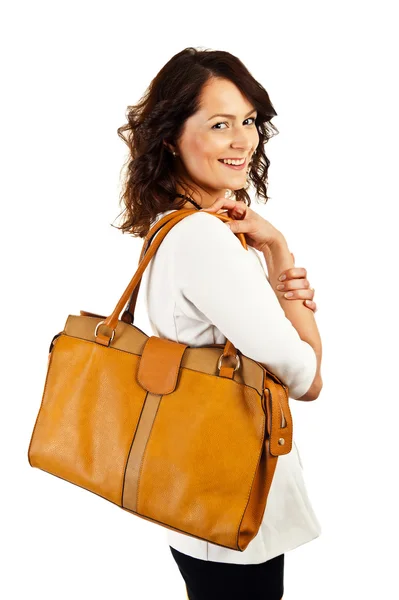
<point>174,153</point>
<point>229,194</point>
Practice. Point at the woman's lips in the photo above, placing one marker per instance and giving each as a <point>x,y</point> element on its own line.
<point>235,167</point>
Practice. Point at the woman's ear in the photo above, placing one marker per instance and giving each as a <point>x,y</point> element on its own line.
<point>169,147</point>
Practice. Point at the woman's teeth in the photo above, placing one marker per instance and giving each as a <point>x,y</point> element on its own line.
<point>228,161</point>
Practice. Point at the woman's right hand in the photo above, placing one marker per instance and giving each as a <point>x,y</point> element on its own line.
<point>258,232</point>
<point>251,223</point>
<point>296,282</point>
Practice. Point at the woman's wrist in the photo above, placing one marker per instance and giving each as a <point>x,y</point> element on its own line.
<point>278,258</point>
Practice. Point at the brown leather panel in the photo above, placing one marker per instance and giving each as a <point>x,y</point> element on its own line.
<point>180,481</point>
<point>205,359</point>
<point>130,338</point>
<point>159,365</point>
<point>70,437</point>
<point>131,485</point>
<point>127,337</point>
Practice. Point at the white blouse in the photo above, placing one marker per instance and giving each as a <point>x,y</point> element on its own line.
<point>200,283</point>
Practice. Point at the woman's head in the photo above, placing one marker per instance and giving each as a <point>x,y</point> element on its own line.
<point>209,135</point>
<point>181,113</point>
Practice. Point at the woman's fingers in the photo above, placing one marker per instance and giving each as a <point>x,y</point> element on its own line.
<point>294,289</point>
<point>237,208</point>
<point>310,304</point>
<point>293,273</point>
<point>298,293</point>
<point>293,284</point>
<point>297,289</point>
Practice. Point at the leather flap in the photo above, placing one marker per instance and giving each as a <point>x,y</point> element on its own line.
<point>159,365</point>
<point>279,421</point>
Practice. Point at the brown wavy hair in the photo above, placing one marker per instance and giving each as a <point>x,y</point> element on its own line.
<point>149,184</point>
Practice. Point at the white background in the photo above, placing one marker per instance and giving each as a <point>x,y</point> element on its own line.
<point>69,70</point>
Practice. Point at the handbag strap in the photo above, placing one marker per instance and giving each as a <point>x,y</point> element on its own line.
<point>150,246</point>
<point>128,313</point>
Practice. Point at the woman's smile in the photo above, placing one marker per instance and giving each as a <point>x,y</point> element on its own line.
<point>235,167</point>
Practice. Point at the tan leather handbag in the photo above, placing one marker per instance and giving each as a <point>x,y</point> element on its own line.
<point>186,437</point>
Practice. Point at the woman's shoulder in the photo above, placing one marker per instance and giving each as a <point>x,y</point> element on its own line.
<point>206,234</point>
<point>196,220</point>
<point>197,225</point>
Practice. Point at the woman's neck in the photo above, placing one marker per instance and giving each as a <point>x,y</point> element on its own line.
<point>204,201</point>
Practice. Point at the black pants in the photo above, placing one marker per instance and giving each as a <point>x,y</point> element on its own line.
<point>210,580</point>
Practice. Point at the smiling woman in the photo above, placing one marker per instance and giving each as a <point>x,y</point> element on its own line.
<point>200,130</point>
<point>184,138</point>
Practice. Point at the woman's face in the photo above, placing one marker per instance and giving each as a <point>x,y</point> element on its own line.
<point>223,128</point>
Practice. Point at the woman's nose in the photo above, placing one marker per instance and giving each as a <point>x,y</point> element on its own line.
<point>243,148</point>
<point>242,142</point>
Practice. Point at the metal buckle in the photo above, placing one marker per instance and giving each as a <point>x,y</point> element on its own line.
<point>96,330</point>
<point>237,365</point>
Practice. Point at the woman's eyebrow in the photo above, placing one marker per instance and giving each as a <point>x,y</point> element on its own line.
<point>231,116</point>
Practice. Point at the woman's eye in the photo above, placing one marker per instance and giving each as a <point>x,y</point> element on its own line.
<point>216,124</point>
<point>225,122</point>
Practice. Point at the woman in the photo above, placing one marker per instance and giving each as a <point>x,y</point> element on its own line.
<point>198,133</point>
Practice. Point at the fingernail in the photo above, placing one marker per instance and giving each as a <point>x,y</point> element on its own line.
<point>289,294</point>
<point>282,277</point>
<point>228,224</point>
<point>280,287</point>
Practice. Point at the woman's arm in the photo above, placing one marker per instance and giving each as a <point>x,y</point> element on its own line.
<point>278,259</point>
<point>216,281</point>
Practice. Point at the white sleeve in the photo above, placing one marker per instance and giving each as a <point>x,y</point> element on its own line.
<point>226,285</point>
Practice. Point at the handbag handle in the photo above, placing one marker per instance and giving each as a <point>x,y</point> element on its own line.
<point>128,313</point>
<point>164,225</point>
